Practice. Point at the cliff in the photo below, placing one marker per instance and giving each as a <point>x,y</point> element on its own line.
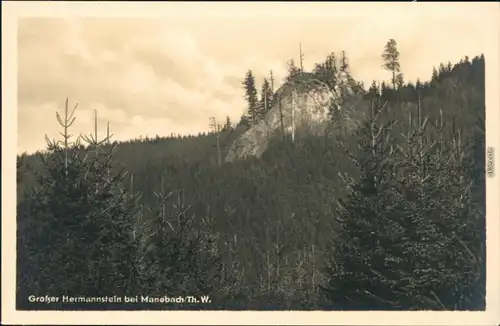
<point>301,105</point>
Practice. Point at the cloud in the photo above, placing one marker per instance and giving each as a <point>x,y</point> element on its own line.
<point>149,76</point>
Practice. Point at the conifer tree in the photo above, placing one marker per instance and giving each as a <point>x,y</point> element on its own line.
<point>386,92</point>
<point>251,97</point>
<point>435,75</point>
<point>391,60</point>
<point>216,129</point>
<point>175,258</point>
<point>442,69</point>
<point>77,236</point>
<point>228,125</point>
<point>271,81</point>
<point>346,83</point>
<point>350,276</point>
<point>448,228</point>
<point>373,91</point>
<point>327,71</point>
<point>407,228</point>
<point>266,96</point>
<point>292,68</point>
<point>272,87</point>
<point>400,81</point>
<point>244,121</point>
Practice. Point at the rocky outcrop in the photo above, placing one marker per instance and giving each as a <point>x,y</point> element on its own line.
<point>301,105</point>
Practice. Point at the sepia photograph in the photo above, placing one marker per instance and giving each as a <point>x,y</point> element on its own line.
<point>237,158</point>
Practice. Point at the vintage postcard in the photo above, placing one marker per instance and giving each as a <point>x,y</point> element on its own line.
<point>250,163</point>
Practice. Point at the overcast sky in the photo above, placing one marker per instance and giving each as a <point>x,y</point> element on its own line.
<point>170,73</point>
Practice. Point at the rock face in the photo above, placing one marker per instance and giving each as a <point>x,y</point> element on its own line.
<point>301,105</point>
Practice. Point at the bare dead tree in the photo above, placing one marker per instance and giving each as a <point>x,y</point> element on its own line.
<point>265,102</point>
<point>281,117</point>
<point>108,142</point>
<point>271,80</point>
<point>301,56</point>
<point>216,128</point>
<point>294,102</point>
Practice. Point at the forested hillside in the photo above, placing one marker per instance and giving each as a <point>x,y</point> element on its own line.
<point>387,215</point>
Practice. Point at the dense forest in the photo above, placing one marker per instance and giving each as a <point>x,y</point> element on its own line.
<point>389,215</point>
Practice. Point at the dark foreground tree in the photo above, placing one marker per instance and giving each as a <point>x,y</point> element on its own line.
<point>75,235</point>
<point>177,259</point>
<point>409,235</point>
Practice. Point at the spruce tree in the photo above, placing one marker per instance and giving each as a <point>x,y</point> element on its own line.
<point>327,71</point>
<point>435,75</point>
<point>77,224</point>
<point>227,125</point>
<point>391,60</point>
<point>373,91</point>
<point>251,97</point>
<point>266,97</point>
<point>176,258</point>
<point>292,68</point>
<point>409,235</point>
<point>353,282</point>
